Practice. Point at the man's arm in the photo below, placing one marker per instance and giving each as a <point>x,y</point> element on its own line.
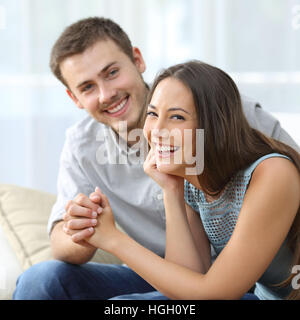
<point>73,211</point>
<point>80,219</point>
<point>76,253</point>
<point>266,123</point>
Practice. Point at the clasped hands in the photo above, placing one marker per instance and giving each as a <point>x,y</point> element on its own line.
<point>90,220</point>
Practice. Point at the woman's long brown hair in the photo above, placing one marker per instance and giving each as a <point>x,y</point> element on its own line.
<point>230,143</point>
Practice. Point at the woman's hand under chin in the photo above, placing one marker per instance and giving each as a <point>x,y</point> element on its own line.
<point>166,181</point>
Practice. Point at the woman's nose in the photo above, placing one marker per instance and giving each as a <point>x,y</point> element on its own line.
<point>160,130</point>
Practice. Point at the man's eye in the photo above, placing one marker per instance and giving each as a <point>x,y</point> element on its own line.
<point>87,87</point>
<point>113,72</point>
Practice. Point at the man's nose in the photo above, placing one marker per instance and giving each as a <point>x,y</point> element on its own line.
<point>107,94</point>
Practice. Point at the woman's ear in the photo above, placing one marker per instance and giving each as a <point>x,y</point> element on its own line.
<point>138,59</point>
<point>75,100</point>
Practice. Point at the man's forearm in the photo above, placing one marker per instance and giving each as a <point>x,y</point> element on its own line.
<point>63,248</point>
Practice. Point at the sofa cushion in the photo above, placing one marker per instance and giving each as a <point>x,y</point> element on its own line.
<point>23,217</point>
<point>10,268</point>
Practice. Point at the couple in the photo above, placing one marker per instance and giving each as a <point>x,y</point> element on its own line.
<point>245,204</point>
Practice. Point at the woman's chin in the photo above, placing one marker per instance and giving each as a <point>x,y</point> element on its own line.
<point>173,169</point>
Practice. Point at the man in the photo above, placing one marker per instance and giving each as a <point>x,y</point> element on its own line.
<point>102,72</point>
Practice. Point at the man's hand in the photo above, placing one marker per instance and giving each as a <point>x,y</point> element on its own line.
<point>106,232</point>
<point>81,216</point>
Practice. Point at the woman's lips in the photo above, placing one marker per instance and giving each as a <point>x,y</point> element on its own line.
<point>165,151</point>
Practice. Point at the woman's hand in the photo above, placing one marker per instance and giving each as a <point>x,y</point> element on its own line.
<point>165,180</point>
<point>106,232</point>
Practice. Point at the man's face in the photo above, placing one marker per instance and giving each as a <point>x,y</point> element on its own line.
<point>107,83</point>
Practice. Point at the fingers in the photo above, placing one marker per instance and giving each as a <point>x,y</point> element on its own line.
<point>80,229</point>
<point>150,162</point>
<point>84,201</point>
<point>81,206</point>
<point>103,198</point>
<point>95,196</point>
<point>78,224</point>
<point>83,234</point>
<point>80,216</point>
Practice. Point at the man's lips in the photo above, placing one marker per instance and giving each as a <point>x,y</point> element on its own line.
<point>118,108</point>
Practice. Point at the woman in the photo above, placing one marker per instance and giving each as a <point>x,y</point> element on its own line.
<point>245,203</point>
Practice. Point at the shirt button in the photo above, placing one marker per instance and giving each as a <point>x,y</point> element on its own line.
<point>159,196</point>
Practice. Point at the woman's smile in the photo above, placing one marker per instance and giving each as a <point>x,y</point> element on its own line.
<point>171,113</point>
<point>165,151</point>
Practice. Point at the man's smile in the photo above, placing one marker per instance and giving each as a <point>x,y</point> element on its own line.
<point>119,108</point>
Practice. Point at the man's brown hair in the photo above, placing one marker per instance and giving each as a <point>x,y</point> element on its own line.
<point>83,34</point>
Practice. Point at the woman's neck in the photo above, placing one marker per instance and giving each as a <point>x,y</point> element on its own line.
<point>193,179</point>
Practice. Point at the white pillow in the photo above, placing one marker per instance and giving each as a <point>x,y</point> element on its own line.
<point>10,268</point>
<point>24,240</point>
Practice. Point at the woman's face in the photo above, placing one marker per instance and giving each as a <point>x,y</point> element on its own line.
<point>170,126</point>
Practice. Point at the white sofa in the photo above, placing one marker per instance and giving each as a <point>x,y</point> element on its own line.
<point>23,234</point>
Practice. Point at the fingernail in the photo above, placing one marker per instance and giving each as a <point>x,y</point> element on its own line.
<point>99,210</point>
<point>97,189</point>
<point>94,221</point>
<point>91,229</point>
<point>94,214</point>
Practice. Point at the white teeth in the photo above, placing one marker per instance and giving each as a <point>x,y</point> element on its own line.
<point>166,148</point>
<point>118,107</point>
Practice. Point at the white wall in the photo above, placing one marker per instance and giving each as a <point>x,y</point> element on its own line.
<point>256,41</point>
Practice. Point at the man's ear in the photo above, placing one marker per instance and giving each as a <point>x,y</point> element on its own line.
<point>138,59</point>
<point>75,100</point>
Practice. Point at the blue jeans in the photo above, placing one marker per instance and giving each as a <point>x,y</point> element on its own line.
<point>57,280</point>
<point>155,295</point>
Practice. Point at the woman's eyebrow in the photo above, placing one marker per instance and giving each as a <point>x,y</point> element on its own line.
<point>170,109</point>
<point>177,108</point>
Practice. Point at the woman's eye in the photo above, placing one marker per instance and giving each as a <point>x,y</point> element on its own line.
<point>177,117</point>
<point>152,114</point>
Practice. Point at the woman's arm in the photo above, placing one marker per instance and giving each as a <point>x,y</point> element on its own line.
<point>268,211</point>
<point>199,235</point>
<point>269,208</point>
<point>180,245</point>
